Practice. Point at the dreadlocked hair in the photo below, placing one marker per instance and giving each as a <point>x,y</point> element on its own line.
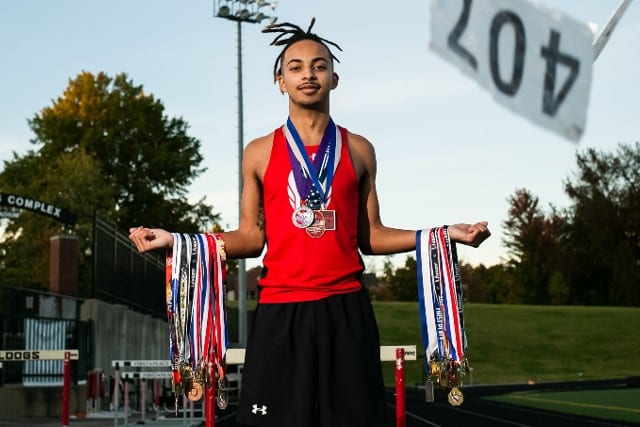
<point>290,34</point>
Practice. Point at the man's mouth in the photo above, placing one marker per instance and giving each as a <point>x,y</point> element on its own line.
<point>308,87</point>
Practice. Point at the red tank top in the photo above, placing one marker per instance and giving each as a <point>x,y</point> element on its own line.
<point>298,267</point>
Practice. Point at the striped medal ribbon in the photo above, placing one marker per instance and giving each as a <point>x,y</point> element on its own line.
<point>195,296</point>
<point>441,312</point>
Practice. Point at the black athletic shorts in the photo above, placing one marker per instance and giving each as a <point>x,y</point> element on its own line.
<point>313,364</point>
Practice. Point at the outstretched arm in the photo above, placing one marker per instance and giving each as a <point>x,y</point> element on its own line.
<point>249,238</point>
<point>374,238</point>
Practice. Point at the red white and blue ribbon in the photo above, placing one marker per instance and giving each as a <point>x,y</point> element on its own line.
<point>196,278</point>
<point>440,296</point>
<point>317,174</point>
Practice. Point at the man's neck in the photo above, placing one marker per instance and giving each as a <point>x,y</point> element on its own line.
<point>310,124</point>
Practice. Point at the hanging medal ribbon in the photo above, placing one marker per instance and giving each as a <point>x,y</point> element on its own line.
<point>313,179</point>
<point>195,296</point>
<point>441,312</point>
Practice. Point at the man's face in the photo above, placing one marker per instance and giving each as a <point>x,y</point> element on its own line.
<point>307,73</point>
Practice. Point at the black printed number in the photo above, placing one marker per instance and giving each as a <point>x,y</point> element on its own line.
<point>551,101</point>
<point>454,36</point>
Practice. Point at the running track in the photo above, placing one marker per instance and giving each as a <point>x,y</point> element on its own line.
<point>478,412</point>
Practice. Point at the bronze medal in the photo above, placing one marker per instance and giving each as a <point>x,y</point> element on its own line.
<point>316,229</point>
<point>195,393</point>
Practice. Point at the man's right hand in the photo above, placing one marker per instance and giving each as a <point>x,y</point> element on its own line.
<point>147,239</point>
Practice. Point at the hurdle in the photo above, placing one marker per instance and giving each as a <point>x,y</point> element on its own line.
<point>236,356</point>
<point>66,355</point>
<point>122,370</point>
<point>388,353</point>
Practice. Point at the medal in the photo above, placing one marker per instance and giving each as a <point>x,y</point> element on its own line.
<point>455,397</point>
<point>313,179</point>
<point>303,216</point>
<point>316,229</point>
<point>196,312</point>
<point>195,393</point>
<point>441,314</point>
<point>429,395</point>
<point>221,395</point>
<point>314,199</point>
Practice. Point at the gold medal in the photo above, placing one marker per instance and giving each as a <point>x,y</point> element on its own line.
<point>455,397</point>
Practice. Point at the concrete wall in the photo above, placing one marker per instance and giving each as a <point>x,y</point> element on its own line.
<point>39,402</point>
<point>122,334</point>
<point>119,334</point>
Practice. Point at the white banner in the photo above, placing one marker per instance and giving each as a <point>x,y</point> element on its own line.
<point>43,334</point>
<point>534,60</point>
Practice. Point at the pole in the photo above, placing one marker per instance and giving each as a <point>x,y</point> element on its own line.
<point>242,266</point>
<point>66,379</point>
<point>209,397</point>
<point>116,394</point>
<point>401,420</point>
<point>605,34</point>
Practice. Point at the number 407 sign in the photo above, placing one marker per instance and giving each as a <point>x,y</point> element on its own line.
<point>535,61</point>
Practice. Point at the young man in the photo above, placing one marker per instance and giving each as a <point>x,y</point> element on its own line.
<point>310,195</point>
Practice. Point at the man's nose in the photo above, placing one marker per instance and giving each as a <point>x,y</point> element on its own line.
<point>309,73</point>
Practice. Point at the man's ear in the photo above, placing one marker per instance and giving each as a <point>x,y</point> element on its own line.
<point>334,80</point>
<point>281,86</point>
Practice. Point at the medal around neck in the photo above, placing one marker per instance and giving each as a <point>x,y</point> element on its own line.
<point>317,228</point>
<point>312,179</point>
<point>303,216</point>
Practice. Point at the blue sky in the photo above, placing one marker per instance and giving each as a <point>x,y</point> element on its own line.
<point>447,152</point>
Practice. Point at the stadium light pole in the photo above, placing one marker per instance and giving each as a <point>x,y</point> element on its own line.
<point>242,11</point>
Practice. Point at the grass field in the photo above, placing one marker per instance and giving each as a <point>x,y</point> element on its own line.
<point>520,343</point>
<point>616,404</point>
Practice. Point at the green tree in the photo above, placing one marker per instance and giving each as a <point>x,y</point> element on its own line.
<point>604,254</point>
<point>534,243</point>
<point>402,281</point>
<point>105,146</point>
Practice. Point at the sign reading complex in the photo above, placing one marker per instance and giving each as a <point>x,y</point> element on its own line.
<point>535,61</point>
<point>37,206</point>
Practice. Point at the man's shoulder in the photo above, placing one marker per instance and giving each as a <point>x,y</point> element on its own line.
<point>261,142</point>
<point>358,142</point>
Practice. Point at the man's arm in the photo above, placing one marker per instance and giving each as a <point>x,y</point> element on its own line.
<point>374,238</point>
<point>249,238</point>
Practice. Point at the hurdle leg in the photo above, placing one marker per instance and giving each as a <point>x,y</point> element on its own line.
<point>401,418</point>
<point>143,396</point>
<point>65,388</point>
<point>126,403</point>
<point>116,397</point>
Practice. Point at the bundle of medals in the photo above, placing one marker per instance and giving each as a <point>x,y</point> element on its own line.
<point>441,314</point>
<point>195,295</point>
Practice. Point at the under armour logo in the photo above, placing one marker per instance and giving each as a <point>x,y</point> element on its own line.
<point>262,409</point>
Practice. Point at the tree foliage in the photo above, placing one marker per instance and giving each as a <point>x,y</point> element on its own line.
<point>401,281</point>
<point>605,227</point>
<point>590,252</point>
<point>533,240</point>
<point>585,254</point>
<point>103,146</point>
